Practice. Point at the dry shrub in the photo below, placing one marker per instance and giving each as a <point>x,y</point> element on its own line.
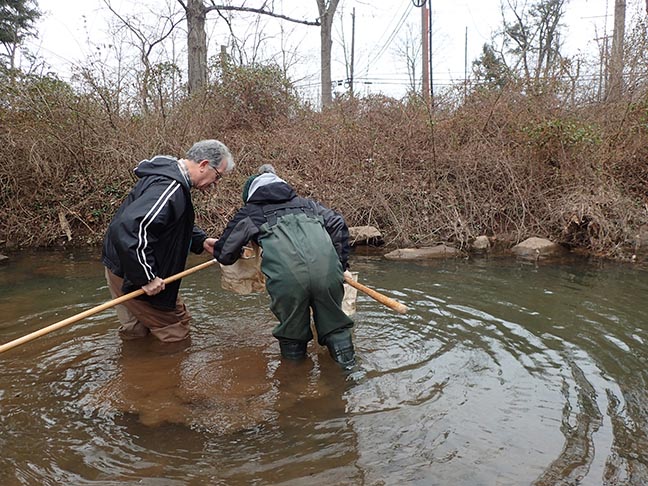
<point>502,162</point>
<point>602,219</point>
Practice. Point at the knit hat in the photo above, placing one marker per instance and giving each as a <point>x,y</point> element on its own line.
<point>264,169</point>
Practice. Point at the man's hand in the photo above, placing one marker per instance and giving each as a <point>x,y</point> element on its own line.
<point>154,287</point>
<point>208,245</point>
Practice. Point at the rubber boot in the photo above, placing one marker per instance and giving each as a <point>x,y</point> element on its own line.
<point>291,349</point>
<point>340,347</point>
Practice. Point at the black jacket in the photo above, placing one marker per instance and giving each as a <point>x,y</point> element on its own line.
<point>275,196</point>
<point>153,230</point>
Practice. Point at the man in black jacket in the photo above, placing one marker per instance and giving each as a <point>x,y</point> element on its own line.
<point>305,252</point>
<point>151,234</point>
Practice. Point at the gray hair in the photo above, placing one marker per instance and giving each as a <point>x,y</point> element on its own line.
<point>266,168</point>
<point>213,151</point>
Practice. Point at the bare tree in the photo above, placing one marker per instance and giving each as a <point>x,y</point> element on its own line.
<point>519,34</point>
<point>409,49</point>
<point>145,41</point>
<point>615,80</point>
<point>533,38</point>
<point>246,46</point>
<point>326,13</point>
<point>196,12</point>
<point>548,15</point>
<point>288,56</point>
<point>17,22</point>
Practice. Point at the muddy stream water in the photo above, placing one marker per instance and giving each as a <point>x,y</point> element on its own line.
<point>503,373</point>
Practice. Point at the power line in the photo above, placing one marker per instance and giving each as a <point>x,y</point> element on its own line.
<point>382,35</point>
<point>391,37</point>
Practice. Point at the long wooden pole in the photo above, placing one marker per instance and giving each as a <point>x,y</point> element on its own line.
<point>383,299</point>
<point>96,310</point>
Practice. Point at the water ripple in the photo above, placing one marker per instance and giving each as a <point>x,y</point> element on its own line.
<point>502,373</point>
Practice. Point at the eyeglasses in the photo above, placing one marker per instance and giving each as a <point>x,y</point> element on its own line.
<point>219,175</point>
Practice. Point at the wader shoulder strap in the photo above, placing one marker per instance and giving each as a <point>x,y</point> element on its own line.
<point>272,212</point>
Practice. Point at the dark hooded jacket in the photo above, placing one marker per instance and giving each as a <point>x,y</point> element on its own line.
<point>271,199</point>
<point>153,230</point>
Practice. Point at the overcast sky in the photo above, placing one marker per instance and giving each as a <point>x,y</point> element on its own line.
<point>70,30</point>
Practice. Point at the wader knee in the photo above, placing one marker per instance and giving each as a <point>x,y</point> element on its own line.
<point>291,349</point>
<point>340,347</point>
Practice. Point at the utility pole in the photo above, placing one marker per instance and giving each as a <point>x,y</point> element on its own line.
<point>604,54</point>
<point>615,72</point>
<point>465,64</point>
<point>352,51</point>
<point>425,56</point>
<point>429,31</point>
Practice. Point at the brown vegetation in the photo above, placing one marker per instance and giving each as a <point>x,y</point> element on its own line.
<point>500,163</point>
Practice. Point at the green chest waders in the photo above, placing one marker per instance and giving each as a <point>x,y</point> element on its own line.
<point>303,273</point>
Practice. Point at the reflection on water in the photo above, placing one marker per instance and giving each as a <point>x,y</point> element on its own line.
<point>502,373</point>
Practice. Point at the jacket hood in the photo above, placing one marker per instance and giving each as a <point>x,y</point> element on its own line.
<point>162,165</point>
<point>269,188</point>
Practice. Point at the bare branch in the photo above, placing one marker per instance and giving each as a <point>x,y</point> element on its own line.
<point>235,41</point>
<point>261,11</point>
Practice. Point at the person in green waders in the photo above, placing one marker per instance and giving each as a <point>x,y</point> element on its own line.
<point>305,252</point>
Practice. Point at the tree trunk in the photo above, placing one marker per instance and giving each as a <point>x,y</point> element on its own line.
<point>196,45</point>
<point>615,78</point>
<point>196,13</point>
<point>326,19</point>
